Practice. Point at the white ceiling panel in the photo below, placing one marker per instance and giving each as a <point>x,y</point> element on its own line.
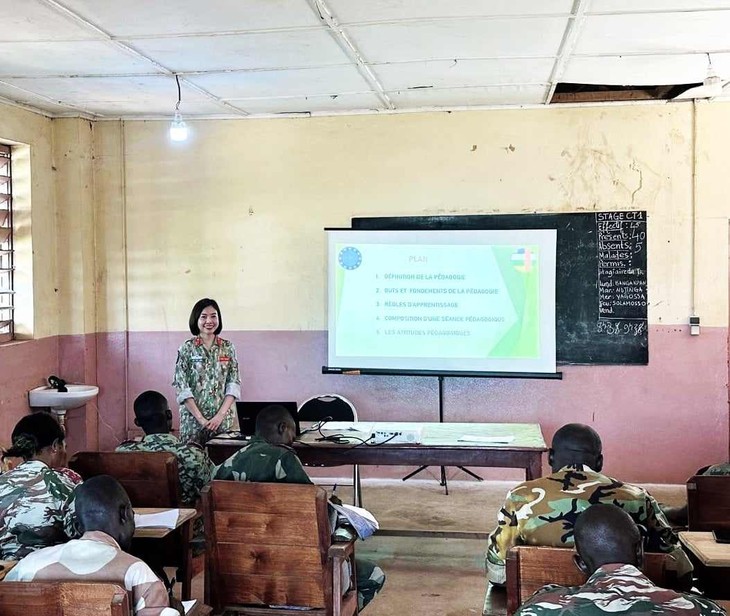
<point>68,58</point>
<point>33,20</point>
<point>277,56</point>
<point>660,32</point>
<point>247,51</point>
<point>124,18</point>
<point>497,95</point>
<point>313,104</point>
<point>353,11</point>
<point>450,73</point>
<point>643,70</point>
<point>14,95</point>
<point>638,6</point>
<point>493,38</point>
<point>268,84</point>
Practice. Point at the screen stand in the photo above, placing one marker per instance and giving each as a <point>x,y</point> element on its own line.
<point>443,481</point>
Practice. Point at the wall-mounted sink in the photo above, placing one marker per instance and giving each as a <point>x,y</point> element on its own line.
<point>61,401</point>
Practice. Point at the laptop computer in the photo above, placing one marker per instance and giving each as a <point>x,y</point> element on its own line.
<point>248,411</point>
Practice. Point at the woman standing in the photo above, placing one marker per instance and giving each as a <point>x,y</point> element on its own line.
<point>36,500</point>
<point>206,375</point>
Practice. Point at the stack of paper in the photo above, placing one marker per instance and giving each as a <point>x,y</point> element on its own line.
<point>163,519</point>
<point>361,519</point>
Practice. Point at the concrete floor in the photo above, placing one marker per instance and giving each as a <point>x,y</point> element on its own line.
<point>430,577</point>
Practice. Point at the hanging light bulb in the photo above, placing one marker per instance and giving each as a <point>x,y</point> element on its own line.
<point>178,128</point>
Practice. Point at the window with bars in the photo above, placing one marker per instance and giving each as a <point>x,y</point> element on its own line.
<point>7,329</point>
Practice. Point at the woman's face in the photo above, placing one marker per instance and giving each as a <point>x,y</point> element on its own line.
<point>208,321</point>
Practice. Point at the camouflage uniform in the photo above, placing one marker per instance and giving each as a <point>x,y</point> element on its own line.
<point>208,376</point>
<point>36,509</point>
<point>718,469</point>
<point>543,512</point>
<point>260,461</point>
<point>618,590</point>
<point>96,557</point>
<point>195,469</point>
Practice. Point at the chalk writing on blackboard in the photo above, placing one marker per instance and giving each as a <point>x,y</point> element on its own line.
<point>622,292</point>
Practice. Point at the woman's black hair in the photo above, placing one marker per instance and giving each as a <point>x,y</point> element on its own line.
<point>201,305</point>
<point>33,433</point>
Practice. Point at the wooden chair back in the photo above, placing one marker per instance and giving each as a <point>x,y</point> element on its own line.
<point>529,568</point>
<point>708,502</point>
<point>267,545</point>
<point>151,479</point>
<point>63,599</point>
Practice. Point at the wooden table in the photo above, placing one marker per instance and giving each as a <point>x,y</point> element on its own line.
<point>711,560</point>
<point>161,547</point>
<point>441,445</point>
<point>158,532</point>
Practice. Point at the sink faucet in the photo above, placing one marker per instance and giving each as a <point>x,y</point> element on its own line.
<point>57,383</point>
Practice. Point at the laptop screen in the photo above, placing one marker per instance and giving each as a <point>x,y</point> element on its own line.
<point>248,411</point>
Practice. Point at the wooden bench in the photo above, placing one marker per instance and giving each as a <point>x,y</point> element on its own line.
<point>269,544</point>
<point>708,502</point>
<point>529,568</point>
<point>63,599</point>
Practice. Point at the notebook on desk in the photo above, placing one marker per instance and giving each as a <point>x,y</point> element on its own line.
<point>248,411</point>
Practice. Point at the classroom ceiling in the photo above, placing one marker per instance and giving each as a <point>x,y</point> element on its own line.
<point>238,58</point>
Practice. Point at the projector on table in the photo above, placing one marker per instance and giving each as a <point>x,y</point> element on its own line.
<point>405,436</point>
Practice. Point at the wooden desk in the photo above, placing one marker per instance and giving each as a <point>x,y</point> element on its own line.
<point>711,560</point>
<point>6,566</point>
<point>441,445</point>
<point>161,547</point>
<point>160,532</point>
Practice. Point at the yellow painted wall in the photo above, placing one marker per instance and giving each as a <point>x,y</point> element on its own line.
<point>75,231</point>
<point>237,212</point>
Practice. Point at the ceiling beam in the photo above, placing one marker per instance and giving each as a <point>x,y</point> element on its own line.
<point>570,38</point>
<point>324,13</point>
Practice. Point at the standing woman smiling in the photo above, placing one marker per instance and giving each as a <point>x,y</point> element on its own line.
<point>206,375</point>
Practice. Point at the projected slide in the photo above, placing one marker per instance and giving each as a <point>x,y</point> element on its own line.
<point>442,300</point>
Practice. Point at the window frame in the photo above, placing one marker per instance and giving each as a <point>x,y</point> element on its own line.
<point>7,261</point>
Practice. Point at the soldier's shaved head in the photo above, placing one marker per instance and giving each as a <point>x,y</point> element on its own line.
<point>276,425</point>
<point>606,534</point>
<point>152,413</point>
<point>103,505</point>
<point>576,444</point>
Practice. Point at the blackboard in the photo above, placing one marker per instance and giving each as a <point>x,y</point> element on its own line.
<point>601,291</point>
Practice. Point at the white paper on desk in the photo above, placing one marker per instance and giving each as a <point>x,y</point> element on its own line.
<point>486,440</point>
<point>189,605</point>
<point>163,519</point>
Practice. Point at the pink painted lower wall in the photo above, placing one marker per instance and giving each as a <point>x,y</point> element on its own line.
<point>23,365</point>
<point>659,423</point>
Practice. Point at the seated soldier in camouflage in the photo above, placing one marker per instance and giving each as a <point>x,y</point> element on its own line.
<point>269,458</point>
<point>153,415</point>
<point>610,552</point>
<point>36,498</point>
<point>543,511</point>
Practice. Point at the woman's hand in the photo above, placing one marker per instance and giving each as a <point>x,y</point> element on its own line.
<point>214,423</point>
